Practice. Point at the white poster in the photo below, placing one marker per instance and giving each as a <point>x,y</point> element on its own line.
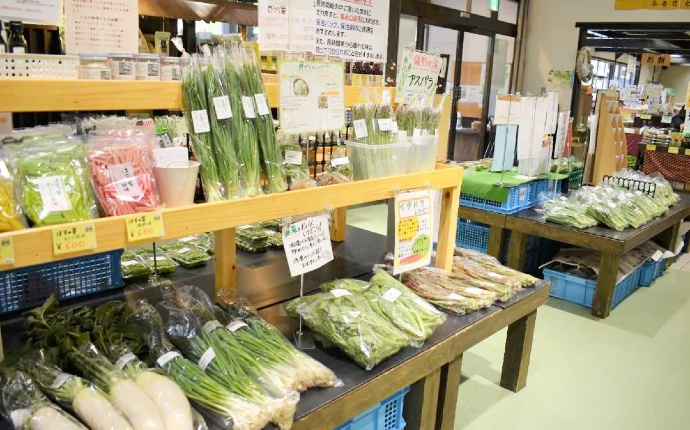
<point>351,29</point>
<point>413,230</point>
<point>31,11</point>
<point>311,96</point>
<point>101,26</point>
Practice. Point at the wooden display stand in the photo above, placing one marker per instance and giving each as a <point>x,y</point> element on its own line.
<point>611,150</point>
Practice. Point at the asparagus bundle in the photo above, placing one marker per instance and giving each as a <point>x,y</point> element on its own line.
<point>493,265</point>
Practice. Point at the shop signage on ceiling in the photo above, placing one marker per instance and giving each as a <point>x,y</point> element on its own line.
<point>656,60</point>
<point>652,4</point>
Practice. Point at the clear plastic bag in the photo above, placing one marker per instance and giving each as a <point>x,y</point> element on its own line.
<point>132,266</point>
<point>52,180</point>
<point>347,321</point>
<point>188,255</point>
<point>295,163</point>
<point>26,408</point>
<point>75,394</point>
<point>338,169</point>
<point>160,262</point>
<point>10,211</point>
<point>122,168</point>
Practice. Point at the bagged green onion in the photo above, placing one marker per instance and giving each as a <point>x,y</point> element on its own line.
<point>187,254</point>
<point>53,181</point>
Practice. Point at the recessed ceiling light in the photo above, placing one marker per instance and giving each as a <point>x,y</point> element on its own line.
<point>594,33</point>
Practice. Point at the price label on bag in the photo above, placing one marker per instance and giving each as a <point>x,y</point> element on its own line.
<point>6,250</point>
<point>144,226</point>
<point>67,240</point>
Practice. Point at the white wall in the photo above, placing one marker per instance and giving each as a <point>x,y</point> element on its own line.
<point>676,77</point>
<point>552,36</point>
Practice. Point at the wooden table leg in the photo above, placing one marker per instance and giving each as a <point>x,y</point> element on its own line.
<point>606,283</point>
<point>495,248</point>
<point>339,224</point>
<point>516,250</point>
<point>668,239</point>
<point>422,401</point>
<point>448,395</point>
<point>448,227</point>
<point>517,353</point>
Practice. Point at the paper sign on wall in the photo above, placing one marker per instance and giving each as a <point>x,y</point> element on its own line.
<point>311,96</point>
<point>35,11</point>
<point>418,76</point>
<point>307,244</point>
<point>101,26</point>
<point>413,230</point>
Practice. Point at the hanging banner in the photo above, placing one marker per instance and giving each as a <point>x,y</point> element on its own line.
<point>413,230</point>
<point>101,26</point>
<point>307,244</point>
<point>35,11</point>
<point>418,76</point>
<point>311,96</point>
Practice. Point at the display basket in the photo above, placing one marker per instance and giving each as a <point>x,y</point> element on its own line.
<point>520,197</point>
<point>29,287</point>
<point>378,161</point>
<point>472,235</point>
<point>35,66</point>
<point>422,157</point>
<point>387,415</point>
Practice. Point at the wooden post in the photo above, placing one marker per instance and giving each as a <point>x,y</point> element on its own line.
<point>518,349</point>
<point>339,224</point>
<point>668,239</point>
<point>422,401</point>
<point>606,283</point>
<point>448,395</point>
<point>448,227</point>
<point>516,250</point>
<point>495,247</point>
<point>226,260</point>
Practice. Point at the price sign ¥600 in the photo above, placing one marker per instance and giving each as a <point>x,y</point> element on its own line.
<point>144,226</point>
<point>67,240</point>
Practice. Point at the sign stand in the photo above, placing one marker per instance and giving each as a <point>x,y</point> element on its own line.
<point>303,340</point>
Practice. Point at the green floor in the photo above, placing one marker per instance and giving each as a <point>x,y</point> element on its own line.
<point>629,371</point>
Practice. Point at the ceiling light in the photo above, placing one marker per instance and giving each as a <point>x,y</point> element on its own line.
<point>676,56</point>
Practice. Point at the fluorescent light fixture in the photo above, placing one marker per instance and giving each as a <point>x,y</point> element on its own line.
<point>676,56</point>
<point>493,5</point>
<point>594,33</point>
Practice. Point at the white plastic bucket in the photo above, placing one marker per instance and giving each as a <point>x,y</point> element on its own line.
<point>177,183</point>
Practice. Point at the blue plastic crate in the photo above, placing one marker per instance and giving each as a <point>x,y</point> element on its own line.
<point>472,235</point>
<point>29,287</point>
<point>652,270</point>
<point>387,415</point>
<point>578,290</point>
<point>520,197</point>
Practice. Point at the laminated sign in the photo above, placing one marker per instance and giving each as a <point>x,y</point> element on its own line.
<point>307,244</point>
<point>418,76</point>
<point>413,230</point>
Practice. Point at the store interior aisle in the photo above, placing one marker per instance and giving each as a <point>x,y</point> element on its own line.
<point>630,371</point>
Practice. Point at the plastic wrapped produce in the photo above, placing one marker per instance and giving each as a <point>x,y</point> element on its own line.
<point>347,321</point>
<point>133,266</point>
<point>338,169</point>
<point>122,168</point>
<point>28,409</point>
<point>188,255</point>
<point>491,264</point>
<point>160,262</point>
<point>10,212</point>
<point>52,180</point>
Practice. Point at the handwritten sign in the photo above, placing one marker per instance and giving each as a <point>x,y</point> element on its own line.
<point>144,226</point>
<point>307,244</point>
<point>413,230</point>
<point>656,60</point>
<point>6,250</point>
<point>418,77</point>
<point>67,240</point>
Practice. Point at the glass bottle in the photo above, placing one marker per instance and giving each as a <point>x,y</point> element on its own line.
<point>16,44</point>
<point>357,74</point>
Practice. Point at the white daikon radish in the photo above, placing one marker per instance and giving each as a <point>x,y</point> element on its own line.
<point>97,412</point>
<point>168,398</point>
<point>50,418</point>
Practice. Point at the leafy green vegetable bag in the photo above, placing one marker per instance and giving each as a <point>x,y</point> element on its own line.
<point>53,181</point>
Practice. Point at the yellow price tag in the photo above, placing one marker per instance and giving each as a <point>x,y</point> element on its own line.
<point>145,226</point>
<point>651,147</point>
<point>645,116</point>
<point>6,250</point>
<point>67,240</point>
<point>673,150</point>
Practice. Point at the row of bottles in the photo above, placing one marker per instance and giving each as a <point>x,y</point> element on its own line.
<point>360,74</point>
<point>16,43</point>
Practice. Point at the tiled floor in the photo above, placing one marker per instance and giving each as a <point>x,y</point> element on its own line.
<point>630,371</point>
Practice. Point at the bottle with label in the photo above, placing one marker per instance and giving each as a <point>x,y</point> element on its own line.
<point>358,74</point>
<point>3,45</point>
<point>377,79</point>
<point>368,74</point>
<point>348,75</point>
<point>16,44</point>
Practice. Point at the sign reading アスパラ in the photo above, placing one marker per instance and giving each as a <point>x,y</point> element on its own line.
<point>418,76</point>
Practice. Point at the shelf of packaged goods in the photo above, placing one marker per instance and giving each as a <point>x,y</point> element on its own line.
<point>18,95</point>
<point>34,246</point>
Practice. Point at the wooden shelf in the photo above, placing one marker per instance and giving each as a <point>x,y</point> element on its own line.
<point>34,246</point>
<point>21,95</point>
